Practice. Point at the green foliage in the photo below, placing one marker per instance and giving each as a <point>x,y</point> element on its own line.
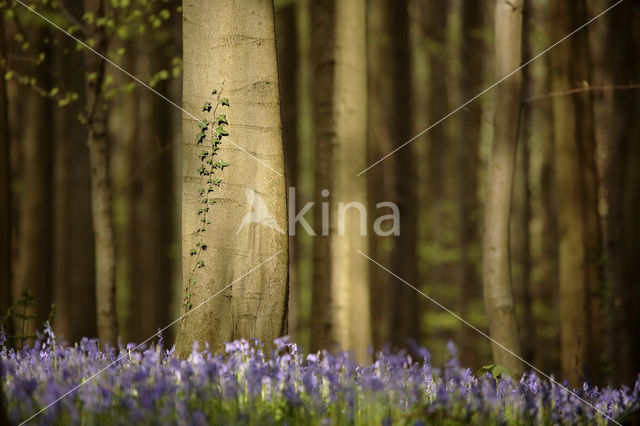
<point>120,20</point>
<point>206,169</point>
<point>497,371</point>
<point>21,312</point>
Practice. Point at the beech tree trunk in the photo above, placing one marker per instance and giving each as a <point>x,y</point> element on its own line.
<point>577,206</point>
<point>101,189</point>
<point>469,208</point>
<point>498,297</point>
<point>340,309</point>
<point>6,201</point>
<point>623,227</point>
<point>33,266</point>
<point>229,46</point>
<point>74,259</point>
<point>287,47</point>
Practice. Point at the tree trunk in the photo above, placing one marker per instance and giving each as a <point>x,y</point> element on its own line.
<point>623,227</point>
<point>34,267</point>
<point>74,260</point>
<point>233,52</point>
<point>469,208</point>
<point>149,211</point>
<point>380,179</point>
<point>576,182</point>
<point>498,296</point>
<point>5,190</point>
<point>406,314</point>
<point>287,47</point>
<point>101,189</point>
<point>340,310</point>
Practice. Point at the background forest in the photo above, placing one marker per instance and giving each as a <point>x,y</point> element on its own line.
<point>538,177</point>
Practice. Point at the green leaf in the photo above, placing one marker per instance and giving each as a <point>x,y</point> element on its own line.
<point>200,137</point>
<point>193,252</point>
<point>224,102</point>
<point>204,125</point>
<point>220,164</point>
<point>207,107</point>
<point>220,131</point>
<point>222,119</point>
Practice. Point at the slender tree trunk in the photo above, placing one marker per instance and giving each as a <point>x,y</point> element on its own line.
<point>469,212</point>
<point>406,314</point>
<point>34,268</point>
<point>5,189</point>
<point>287,47</point>
<point>234,53</point>
<point>101,189</point>
<point>74,260</point>
<point>623,227</point>
<point>380,179</point>
<point>496,269</point>
<point>340,311</point>
<point>577,209</point>
<point>149,227</point>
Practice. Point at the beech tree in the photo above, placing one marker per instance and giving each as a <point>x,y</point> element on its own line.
<point>498,296</point>
<point>575,180</point>
<point>229,49</point>
<point>340,309</point>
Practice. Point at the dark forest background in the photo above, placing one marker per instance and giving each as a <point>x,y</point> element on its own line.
<point>575,233</point>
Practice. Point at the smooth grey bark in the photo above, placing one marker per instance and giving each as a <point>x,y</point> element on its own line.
<point>498,297</point>
<point>340,310</point>
<point>229,45</point>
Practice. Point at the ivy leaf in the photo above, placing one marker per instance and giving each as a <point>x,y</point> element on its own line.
<point>200,137</point>
<point>222,119</point>
<point>203,155</point>
<point>207,107</point>
<point>224,102</point>
<point>214,91</point>
<point>220,131</point>
<point>204,125</point>
<point>217,182</point>
<point>220,164</point>
<point>193,252</point>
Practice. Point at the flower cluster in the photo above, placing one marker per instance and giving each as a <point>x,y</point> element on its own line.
<point>246,386</point>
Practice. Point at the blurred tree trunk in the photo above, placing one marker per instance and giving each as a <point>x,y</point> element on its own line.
<point>150,215</point>
<point>34,268</point>
<point>235,53</point>
<point>521,208</point>
<point>406,315</point>
<point>5,188</point>
<point>469,208</point>
<point>380,179</point>
<point>74,261</point>
<point>287,47</point>
<point>577,208</point>
<point>340,311</point>
<point>101,186</point>
<point>623,227</point>
<point>496,269</point>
